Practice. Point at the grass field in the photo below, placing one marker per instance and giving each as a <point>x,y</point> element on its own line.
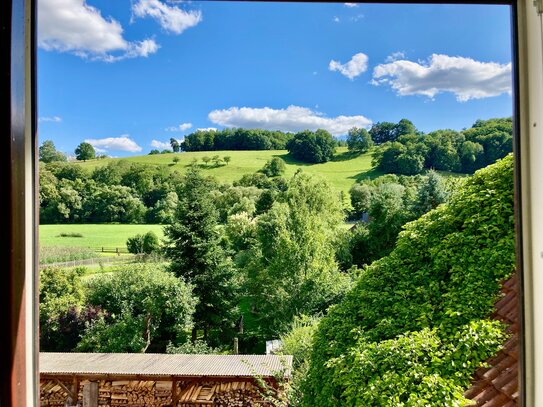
<point>93,235</point>
<point>341,172</point>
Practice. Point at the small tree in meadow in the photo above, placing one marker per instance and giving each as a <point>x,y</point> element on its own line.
<point>143,244</point>
<point>206,159</point>
<point>216,160</point>
<point>84,151</point>
<point>227,159</point>
<point>176,160</point>
<point>274,167</point>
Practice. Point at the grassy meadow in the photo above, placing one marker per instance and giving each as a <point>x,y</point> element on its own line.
<point>343,171</point>
<point>94,236</point>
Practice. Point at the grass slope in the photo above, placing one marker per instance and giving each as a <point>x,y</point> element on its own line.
<point>93,235</point>
<point>342,172</point>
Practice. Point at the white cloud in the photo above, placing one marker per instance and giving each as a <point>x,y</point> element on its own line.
<point>336,19</point>
<point>291,119</point>
<point>207,129</point>
<point>357,17</point>
<point>181,127</point>
<point>74,26</point>
<point>52,119</point>
<point>357,65</point>
<point>170,18</point>
<point>351,4</point>
<point>395,56</point>
<point>464,77</point>
<point>122,143</point>
<point>161,144</point>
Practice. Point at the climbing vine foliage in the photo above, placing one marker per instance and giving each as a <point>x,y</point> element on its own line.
<point>417,324</point>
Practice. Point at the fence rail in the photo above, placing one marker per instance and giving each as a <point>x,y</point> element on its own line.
<point>104,249</point>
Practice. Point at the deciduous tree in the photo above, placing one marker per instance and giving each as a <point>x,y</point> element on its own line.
<point>84,151</point>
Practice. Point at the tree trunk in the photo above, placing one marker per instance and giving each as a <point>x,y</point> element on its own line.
<point>194,335</point>
<point>147,333</point>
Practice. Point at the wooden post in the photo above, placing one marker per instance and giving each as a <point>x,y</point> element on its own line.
<point>236,346</point>
<point>75,390</point>
<point>175,393</point>
<point>90,394</point>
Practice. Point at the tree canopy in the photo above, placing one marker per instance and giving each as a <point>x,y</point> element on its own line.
<point>235,139</point>
<point>48,153</point>
<point>312,147</point>
<point>447,150</point>
<point>382,132</point>
<point>84,151</point>
<point>359,140</point>
<point>194,249</point>
<point>145,306</point>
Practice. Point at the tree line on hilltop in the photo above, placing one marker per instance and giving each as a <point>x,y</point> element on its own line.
<point>397,148</point>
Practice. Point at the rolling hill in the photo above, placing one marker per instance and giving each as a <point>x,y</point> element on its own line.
<point>341,172</point>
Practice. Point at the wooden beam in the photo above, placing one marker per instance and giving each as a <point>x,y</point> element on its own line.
<point>75,390</point>
<point>90,394</point>
<point>175,393</point>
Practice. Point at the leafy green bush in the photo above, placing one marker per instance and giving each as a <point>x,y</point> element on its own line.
<point>72,234</point>
<point>274,167</point>
<point>415,327</point>
<point>143,244</point>
<point>60,290</point>
<point>190,348</point>
<point>145,306</point>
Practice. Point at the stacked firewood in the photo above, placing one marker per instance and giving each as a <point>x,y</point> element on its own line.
<point>52,394</point>
<point>135,393</point>
<point>141,393</point>
<point>242,394</point>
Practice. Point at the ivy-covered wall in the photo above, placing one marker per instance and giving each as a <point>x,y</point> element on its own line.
<point>416,326</point>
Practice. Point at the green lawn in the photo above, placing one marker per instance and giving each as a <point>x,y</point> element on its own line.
<point>93,235</point>
<point>341,172</point>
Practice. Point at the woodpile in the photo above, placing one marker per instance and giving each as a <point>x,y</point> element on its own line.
<point>242,394</point>
<point>142,393</point>
<point>52,393</point>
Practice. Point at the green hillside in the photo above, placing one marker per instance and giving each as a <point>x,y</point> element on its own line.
<point>342,172</point>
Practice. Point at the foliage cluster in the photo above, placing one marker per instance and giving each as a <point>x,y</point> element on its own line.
<point>194,249</point>
<point>48,153</point>
<point>359,140</point>
<point>447,150</point>
<point>235,139</point>
<point>143,243</point>
<point>85,151</point>
<point>312,146</point>
<point>382,132</point>
<point>415,327</point>
<point>118,192</point>
<point>133,309</point>
<point>383,205</point>
<point>274,167</point>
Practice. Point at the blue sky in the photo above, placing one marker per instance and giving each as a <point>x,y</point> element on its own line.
<point>128,75</point>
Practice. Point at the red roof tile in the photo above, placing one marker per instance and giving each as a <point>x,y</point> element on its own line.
<point>497,385</point>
